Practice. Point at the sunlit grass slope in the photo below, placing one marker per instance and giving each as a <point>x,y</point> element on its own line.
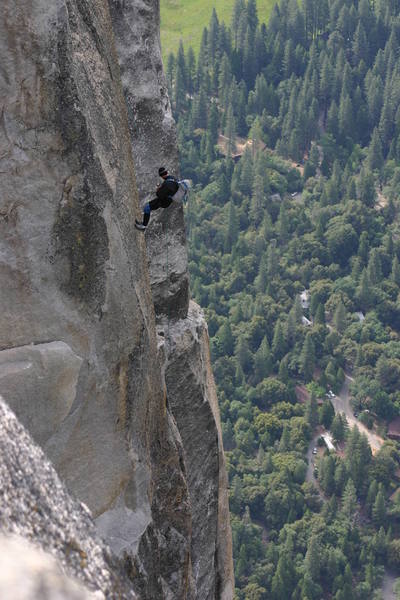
<point>185,19</point>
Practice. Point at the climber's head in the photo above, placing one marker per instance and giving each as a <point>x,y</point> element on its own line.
<point>162,171</point>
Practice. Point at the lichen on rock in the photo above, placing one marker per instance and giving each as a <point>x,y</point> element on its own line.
<point>35,505</point>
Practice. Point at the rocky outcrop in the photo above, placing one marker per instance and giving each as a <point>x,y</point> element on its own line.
<point>193,401</point>
<point>81,289</point>
<point>42,577</point>
<point>35,505</point>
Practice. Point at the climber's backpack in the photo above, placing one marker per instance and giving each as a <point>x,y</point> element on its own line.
<point>182,192</point>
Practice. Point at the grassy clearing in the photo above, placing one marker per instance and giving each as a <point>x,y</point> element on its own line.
<point>186,19</point>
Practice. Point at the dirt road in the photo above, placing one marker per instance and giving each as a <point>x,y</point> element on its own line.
<point>311,458</point>
<point>387,586</point>
<point>341,404</point>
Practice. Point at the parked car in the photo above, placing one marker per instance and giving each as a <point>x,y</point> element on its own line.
<point>356,415</point>
<point>314,451</point>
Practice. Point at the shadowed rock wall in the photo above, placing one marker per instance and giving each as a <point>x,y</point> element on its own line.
<point>78,358</point>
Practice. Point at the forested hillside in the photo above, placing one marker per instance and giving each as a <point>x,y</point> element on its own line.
<point>290,131</point>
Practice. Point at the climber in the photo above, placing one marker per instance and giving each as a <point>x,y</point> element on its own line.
<point>165,192</point>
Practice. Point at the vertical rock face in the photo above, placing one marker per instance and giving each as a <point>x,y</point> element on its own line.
<point>154,144</point>
<point>79,359</point>
<point>190,384</point>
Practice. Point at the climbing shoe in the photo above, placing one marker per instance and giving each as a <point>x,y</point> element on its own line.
<point>140,225</point>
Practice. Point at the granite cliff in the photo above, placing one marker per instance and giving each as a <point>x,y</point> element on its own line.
<point>99,357</point>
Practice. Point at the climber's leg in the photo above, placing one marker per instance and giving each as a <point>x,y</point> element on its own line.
<point>148,207</point>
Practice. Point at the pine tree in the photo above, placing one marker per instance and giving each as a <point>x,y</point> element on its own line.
<point>363,247</point>
<point>337,428</point>
<point>283,224</point>
<point>283,372</point>
<point>340,478</point>
<point>307,357</point>
<point>262,361</point>
<point>180,80</point>
<point>230,131</point>
<point>278,342</point>
<point>319,318</point>
<point>297,309</point>
<point>170,73</point>
<point>224,79</point>
<point>395,275</point>
<point>288,59</point>
<point>252,16</point>
<point>339,318</point>
<point>349,504</point>
<point>371,496</point>
<point>284,579</point>
<point>374,268</point>
<point>386,122</point>
<point>243,354</point>
<point>284,444</point>
<point>232,231</point>
<point>347,590</point>
<point>257,203</point>
<point>375,155</point>
<point>312,411</point>
<point>332,123</point>
<point>213,35</point>
<point>202,61</point>
<point>272,259</point>
<point>262,277</point>
<point>312,560</point>
<point>366,188</point>
<point>238,10</point>
<point>346,117</point>
<point>328,475</point>
<point>247,174</point>
<point>226,338</point>
<point>360,45</point>
<point>379,509</point>
<point>190,71</point>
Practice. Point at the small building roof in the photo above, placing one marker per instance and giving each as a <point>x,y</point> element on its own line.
<point>305,299</point>
<point>327,437</point>
<point>394,428</point>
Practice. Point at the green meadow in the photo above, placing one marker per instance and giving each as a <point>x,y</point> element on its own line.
<point>186,19</point>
